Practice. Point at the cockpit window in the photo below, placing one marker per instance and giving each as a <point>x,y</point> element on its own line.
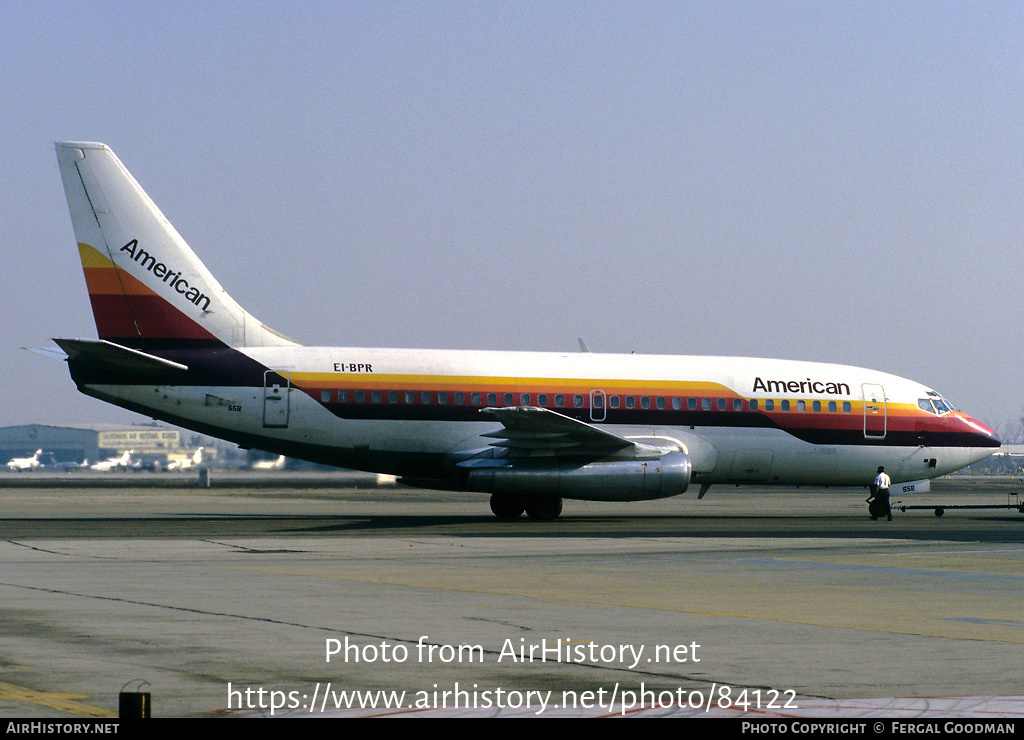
<point>935,404</point>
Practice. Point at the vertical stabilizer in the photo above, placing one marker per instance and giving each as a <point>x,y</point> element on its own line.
<point>147,287</point>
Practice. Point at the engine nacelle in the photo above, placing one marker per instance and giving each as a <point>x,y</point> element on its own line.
<point>619,480</point>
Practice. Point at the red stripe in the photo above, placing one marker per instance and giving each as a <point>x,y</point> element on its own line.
<point>119,316</point>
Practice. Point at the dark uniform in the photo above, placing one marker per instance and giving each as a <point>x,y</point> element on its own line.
<point>878,504</point>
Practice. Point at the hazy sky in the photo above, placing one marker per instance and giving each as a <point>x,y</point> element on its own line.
<point>833,181</point>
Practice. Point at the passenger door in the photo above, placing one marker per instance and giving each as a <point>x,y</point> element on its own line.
<point>874,411</point>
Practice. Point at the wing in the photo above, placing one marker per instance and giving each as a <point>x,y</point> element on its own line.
<point>530,431</point>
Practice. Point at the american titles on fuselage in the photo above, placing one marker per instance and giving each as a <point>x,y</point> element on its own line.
<point>801,386</point>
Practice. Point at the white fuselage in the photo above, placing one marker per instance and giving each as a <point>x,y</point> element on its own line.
<point>418,405</point>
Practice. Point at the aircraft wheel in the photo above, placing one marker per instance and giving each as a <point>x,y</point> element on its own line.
<point>544,508</point>
<point>507,505</point>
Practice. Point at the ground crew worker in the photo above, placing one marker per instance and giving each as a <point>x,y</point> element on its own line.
<point>880,506</point>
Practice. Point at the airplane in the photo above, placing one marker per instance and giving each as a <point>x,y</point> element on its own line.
<point>118,462</point>
<point>25,463</point>
<point>69,466</point>
<point>277,464</point>
<point>529,428</point>
<point>187,462</point>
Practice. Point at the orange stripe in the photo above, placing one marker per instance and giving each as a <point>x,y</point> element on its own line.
<point>103,278</point>
<point>110,281</point>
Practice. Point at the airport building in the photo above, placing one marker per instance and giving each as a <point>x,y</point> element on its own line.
<point>92,442</point>
<point>1008,460</point>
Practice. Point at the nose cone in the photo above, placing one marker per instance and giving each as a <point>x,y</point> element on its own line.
<point>982,435</point>
<point>980,440</point>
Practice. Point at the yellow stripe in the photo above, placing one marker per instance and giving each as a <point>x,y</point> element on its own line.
<point>92,257</point>
<point>62,702</point>
<point>465,382</point>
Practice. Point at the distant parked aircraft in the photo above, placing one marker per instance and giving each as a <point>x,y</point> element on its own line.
<point>25,463</point>
<point>188,462</point>
<point>277,464</point>
<point>122,462</point>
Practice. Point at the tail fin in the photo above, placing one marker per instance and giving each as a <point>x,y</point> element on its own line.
<point>147,287</point>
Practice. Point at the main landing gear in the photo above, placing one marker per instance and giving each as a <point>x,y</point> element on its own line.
<point>512,505</point>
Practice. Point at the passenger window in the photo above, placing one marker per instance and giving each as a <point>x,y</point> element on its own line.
<point>613,401</point>
<point>460,398</point>
<point>691,404</point>
<point>677,403</point>
<point>442,397</point>
<point>847,407</point>
<point>596,401</point>
<point>559,400</point>
<point>474,398</point>
<point>425,397</point>
<point>721,404</point>
<point>325,396</point>
<point>785,406</point>
<point>817,405</point>
<point>542,399</point>
<point>832,407</point>
<point>577,401</point>
<point>375,396</point>
<point>753,404</point>
<point>342,396</point>
<point>769,405</point>
<point>705,403</point>
<point>737,404</point>
<point>801,406</point>
<point>360,396</point>
<point>410,397</point>
<point>630,402</point>
<point>492,399</point>
<point>660,402</point>
<point>645,402</point>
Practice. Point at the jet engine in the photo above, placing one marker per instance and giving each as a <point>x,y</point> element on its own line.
<point>617,480</point>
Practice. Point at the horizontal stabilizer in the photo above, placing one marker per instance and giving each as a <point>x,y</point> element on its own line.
<point>48,352</point>
<point>101,354</point>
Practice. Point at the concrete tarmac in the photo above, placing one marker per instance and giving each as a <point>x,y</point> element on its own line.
<point>759,602</point>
